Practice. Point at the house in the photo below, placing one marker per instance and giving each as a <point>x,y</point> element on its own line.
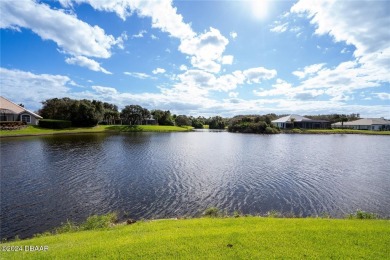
<point>297,121</point>
<point>365,124</point>
<point>9,111</point>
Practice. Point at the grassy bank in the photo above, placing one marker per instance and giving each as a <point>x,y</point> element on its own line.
<point>218,238</point>
<point>36,130</point>
<point>335,131</point>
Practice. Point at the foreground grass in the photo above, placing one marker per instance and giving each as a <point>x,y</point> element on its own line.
<point>219,238</point>
<point>36,130</point>
<point>336,131</point>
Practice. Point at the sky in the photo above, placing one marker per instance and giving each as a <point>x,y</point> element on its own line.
<point>200,58</point>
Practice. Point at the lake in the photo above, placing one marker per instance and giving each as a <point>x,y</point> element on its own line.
<point>49,179</point>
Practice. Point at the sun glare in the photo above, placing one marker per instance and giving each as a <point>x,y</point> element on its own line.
<point>260,8</point>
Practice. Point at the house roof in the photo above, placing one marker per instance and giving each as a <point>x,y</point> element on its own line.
<point>5,104</point>
<point>297,118</point>
<point>365,121</point>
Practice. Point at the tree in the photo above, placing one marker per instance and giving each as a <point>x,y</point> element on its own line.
<point>145,114</point>
<point>163,117</point>
<point>217,122</point>
<point>182,120</point>
<point>196,123</point>
<point>79,112</point>
<point>132,114</point>
<point>292,120</point>
<point>343,119</point>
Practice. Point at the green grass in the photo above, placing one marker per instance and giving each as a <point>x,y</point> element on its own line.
<point>36,130</point>
<point>344,131</point>
<point>219,238</point>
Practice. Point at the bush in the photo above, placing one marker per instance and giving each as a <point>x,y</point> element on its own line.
<point>360,214</point>
<point>55,124</point>
<point>95,221</point>
<point>12,125</point>
<point>212,212</point>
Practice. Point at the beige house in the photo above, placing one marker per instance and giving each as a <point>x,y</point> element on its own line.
<point>365,124</point>
<point>9,111</point>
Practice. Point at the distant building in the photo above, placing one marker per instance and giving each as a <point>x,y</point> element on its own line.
<point>365,124</point>
<point>9,111</point>
<point>297,121</point>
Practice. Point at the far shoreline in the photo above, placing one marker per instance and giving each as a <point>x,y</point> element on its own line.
<point>30,131</point>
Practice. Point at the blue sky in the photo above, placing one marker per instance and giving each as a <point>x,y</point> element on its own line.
<point>200,57</point>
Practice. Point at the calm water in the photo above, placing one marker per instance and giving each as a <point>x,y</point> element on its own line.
<point>47,180</point>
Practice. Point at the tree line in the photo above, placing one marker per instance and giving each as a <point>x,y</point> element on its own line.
<point>92,112</point>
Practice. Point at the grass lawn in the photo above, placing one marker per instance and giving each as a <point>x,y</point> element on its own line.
<point>344,131</point>
<point>36,130</point>
<point>219,238</point>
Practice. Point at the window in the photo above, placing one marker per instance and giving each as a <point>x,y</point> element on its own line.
<point>26,118</point>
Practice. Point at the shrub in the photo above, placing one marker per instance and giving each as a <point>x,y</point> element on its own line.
<point>54,124</point>
<point>12,125</point>
<point>360,214</point>
<point>212,212</point>
<point>95,221</point>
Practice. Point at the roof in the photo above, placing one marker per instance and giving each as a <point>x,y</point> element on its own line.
<point>5,104</point>
<point>365,121</point>
<point>297,118</point>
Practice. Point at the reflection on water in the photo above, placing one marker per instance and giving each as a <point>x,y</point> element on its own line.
<point>47,180</point>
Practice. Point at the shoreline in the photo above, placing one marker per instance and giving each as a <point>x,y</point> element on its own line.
<point>36,131</point>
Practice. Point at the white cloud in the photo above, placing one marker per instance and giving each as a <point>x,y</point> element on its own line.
<point>88,63</point>
<point>138,75</point>
<point>72,35</point>
<point>105,91</point>
<point>233,94</point>
<point>139,35</point>
<point>233,35</point>
<point>158,70</point>
<point>227,59</point>
<point>308,70</point>
<point>154,37</point>
<point>279,28</point>
<point>256,75</point>
<point>32,88</point>
<point>205,49</point>
<point>366,27</point>
<point>383,96</point>
<point>183,67</point>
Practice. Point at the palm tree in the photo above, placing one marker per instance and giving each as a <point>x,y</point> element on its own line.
<point>292,120</point>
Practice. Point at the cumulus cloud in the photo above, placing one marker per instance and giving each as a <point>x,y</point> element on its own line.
<point>227,59</point>
<point>158,70</point>
<point>366,27</point>
<point>308,70</point>
<point>256,75</point>
<point>138,75</point>
<point>383,95</point>
<point>30,88</point>
<point>279,28</point>
<point>180,98</point>
<point>233,35</point>
<point>205,49</point>
<point>105,90</point>
<point>140,34</point>
<point>72,35</point>
<point>88,63</point>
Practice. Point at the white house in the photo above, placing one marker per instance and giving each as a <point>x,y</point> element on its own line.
<point>297,121</point>
<point>9,111</point>
<point>365,124</point>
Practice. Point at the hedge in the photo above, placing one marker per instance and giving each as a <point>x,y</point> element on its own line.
<point>54,124</point>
